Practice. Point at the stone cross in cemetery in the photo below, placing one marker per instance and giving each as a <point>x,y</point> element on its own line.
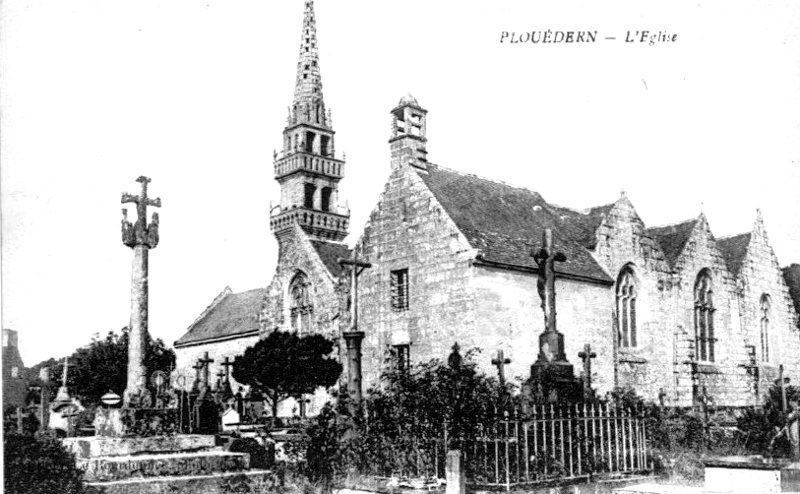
<point>197,368</point>
<point>551,375</point>
<point>205,362</point>
<point>500,361</point>
<point>140,237</point>
<point>587,355</point>
<point>226,383</point>
<point>353,336</point>
<point>63,393</point>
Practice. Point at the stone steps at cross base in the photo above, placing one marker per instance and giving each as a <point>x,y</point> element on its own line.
<point>109,468</point>
<point>95,447</point>
<point>217,483</point>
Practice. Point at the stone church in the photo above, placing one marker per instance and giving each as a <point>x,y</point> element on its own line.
<point>672,312</point>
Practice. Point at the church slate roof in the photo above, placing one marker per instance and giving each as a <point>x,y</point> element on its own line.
<point>672,238</point>
<point>235,315</point>
<point>330,253</point>
<point>506,222</point>
<point>733,250</point>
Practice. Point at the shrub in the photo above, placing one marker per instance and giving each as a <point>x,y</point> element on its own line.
<point>260,457</point>
<point>39,463</point>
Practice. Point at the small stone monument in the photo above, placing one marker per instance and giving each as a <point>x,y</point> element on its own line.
<point>552,377</point>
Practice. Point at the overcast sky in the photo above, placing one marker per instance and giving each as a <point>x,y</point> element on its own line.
<point>194,94</point>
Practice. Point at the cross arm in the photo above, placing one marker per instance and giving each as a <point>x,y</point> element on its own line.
<point>353,262</point>
<point>129,198</point>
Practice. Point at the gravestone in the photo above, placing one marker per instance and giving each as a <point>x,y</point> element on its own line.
<point>552,377</point>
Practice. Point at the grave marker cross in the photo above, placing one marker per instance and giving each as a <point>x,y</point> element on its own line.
<point>500,362</point>
<point>227,363</point>
<point>587,355</point>
<point>197,368</point>
<point>205,361</point>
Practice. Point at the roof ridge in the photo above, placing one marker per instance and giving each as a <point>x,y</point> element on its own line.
<point>494,180</point>
<point>672,224</point>
<point>734,235</point>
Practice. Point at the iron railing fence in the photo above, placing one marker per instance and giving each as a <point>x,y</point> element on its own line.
<point>546,444</point>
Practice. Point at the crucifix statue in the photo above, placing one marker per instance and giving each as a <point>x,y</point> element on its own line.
<point>140,237</point>
<point>353,336</point>
<point>587,355</point>
<point>500,361</point>
<point>551,342</point>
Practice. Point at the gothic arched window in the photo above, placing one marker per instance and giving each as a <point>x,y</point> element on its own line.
<point>766,305</point>
<point>626,307</point>
<point>300,306</point>
<point>704,317</point>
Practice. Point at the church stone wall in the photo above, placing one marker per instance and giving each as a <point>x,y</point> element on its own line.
<point>725,379</point>
<point>509,317</point>
<point>410,229</point>
<point>622,243</point>
<point>296,254</point>
<point>760,274</point>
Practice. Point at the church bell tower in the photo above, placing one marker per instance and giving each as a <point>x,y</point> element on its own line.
<point>306,168</point>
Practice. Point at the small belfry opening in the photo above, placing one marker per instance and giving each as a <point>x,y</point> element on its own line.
<point>324,141</point>
<point>326,199</point>
<point>310,136</point>
<point>308,199</point>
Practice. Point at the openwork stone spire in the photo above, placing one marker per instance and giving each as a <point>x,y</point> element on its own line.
<point>308,105</point>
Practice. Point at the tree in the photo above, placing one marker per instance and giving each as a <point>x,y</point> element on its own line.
<point>102,366</point>
<point>285,365</point>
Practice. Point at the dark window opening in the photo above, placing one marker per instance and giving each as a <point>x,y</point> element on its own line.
<point>626,308</point>
<point>400,289</point>
<point>309,196</point>
<point>323,144</point>
<point>326,198</point>
<point>403,357</point>
<point>765,323</point>
<point>704,318</point>
<point>310,142</point>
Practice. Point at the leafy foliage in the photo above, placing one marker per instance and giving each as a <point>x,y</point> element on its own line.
<point>39,463</point>
<point>285,365</point>
<point>761,426</point>
<point>405,421</point>
<point>102,366</point>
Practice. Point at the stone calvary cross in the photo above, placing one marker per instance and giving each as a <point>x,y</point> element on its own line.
<point>140,237</point>
<point>353,336</point>
<point>550,346</point>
